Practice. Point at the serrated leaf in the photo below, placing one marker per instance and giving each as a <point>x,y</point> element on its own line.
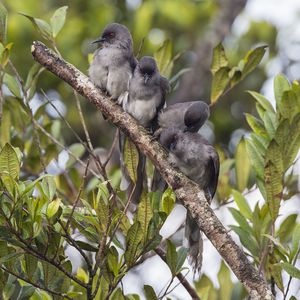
<point>219,59</point>
<point>9,162</point>
<point>291,270</point>
<point>133,240</point>
<point>264,102</point>
<point>242,204</point>
<point>281,84</point>
<point>273,177</point>
<point>225,282</point>
<point>242,165</point>
<point>150,293</point>
<point>171,257</point>
<point>219,84</point>
<point>3,23</point>
<point>12,84</point>
<point>42,27</point>
<point>252,59</point>
<point>168,200</point>
<point>58,19</point>
<point>53,208</point>
<point>144,214</point>
<point>131,159</point>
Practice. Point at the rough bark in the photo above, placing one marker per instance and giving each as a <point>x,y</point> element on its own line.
<point>186,190</point>
<point>193,83</point>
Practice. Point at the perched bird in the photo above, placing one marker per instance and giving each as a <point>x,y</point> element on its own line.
<point>187,116</point>
<point>146,97</point>
<point>199,161</point>
<point>147,92</point>
<point>114,62</point>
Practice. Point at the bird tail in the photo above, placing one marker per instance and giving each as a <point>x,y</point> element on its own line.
<point>127,184</point>
<point>158,183</point>
<point>195,242</point>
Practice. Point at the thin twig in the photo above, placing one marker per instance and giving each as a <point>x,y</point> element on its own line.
<point>161,253</point>
<point>36,284</point>
<point>111,150</point>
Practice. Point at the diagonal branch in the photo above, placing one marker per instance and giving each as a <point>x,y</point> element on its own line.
<point>187,191</point>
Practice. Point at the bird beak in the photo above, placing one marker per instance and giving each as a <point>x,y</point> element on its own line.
<point>146,78</point>
<point>100,40</point>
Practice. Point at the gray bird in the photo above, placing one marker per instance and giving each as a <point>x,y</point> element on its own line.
<point>146,97</point>
<point>147,92</point>
<point>114,62</point>
<point>199,161</point>
<point>187,116</point>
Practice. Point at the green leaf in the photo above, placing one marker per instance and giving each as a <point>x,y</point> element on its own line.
<point>264,102</point>
<point>256,125</point>
<point>42,27</point>
<point>276,274</point>
<point>242,165</point>
<point>171,257</point>
<point>273,177</point>
<point>5,127</point>
<point>225,282</point>
<point>288,105</point>
<point>86,246</point>
<point>9,162</point>
<point>3,23</point>
<point>131,159</point>
<point>48,187</point>
<point>12,84</point>
<point>163,57</point>
<point>82,275</point>
<point>144,214</point>
<point>247,240</point>
<point>10,256</point>
<point>150,293</point>
<point>219,59</point>
<point>286,228</point>
<point>256,158</point>
<point>242,204</point>
<point>281,84</point>
<point>53,208</point>
<point>271,124</point>
<point>241,220</point>
<point>291,270</point>
<point>181,257</point>
<point>133,240</point>
<point>31,263</point>
<point>168,200</point>
<point>295,241</point>
<point>58,19</point>
<point>219,84</point>
<point>252,59</point>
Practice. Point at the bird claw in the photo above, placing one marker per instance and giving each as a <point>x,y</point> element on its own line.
<point>156,135</point>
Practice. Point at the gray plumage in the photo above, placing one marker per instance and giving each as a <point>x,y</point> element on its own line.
<point>147,92</point>
<point>114,62</point>
<point>199,161</point>
<point>146,96</point>
<point>187,116</point>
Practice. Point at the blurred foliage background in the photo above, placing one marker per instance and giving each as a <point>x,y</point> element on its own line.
<point>187,23</point>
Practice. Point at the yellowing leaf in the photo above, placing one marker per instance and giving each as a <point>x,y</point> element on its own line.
<point>168,201</point>
<point>219,59</point>
<point>9,162</point>
<point>131,159</point>
<point>242,165</point>
<point>82,275</point>
<point>219,84</point>
<point>53,208</point>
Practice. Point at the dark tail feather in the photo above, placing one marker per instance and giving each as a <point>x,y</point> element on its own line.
<point>158,183</point>
<point>195,242</point>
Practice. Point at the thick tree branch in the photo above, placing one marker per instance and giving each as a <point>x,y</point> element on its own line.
<point>186,190</point>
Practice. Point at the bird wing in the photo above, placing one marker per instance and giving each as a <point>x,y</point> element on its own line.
<point>214,167</point>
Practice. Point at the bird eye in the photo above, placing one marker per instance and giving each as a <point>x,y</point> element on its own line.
<point>111,34</point>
